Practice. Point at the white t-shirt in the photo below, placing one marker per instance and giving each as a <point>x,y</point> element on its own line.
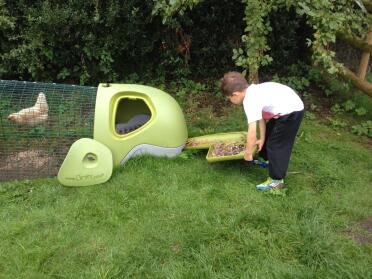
<point>270,100</point>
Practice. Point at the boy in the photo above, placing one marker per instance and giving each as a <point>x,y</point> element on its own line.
<point>284,110</point>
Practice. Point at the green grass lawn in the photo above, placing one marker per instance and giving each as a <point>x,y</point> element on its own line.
<point>186,218</point>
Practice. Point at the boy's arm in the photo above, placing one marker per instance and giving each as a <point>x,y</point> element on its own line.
<point>251,141</point>
<point>261,141</point>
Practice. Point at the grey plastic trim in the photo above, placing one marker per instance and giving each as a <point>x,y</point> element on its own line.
<point>152,150</point>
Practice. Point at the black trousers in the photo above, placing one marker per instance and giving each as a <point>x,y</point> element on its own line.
<point>280,137</point>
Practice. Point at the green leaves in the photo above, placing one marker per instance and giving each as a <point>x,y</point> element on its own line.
<point>169,8</point>
<point>254,40</point>
<point>87,41</point>
<point>361,111</point>
<point>325,17</point>
<point>6,21</point>
<point>349,105</point>
<point>363,129</point>
<point>91,41</point>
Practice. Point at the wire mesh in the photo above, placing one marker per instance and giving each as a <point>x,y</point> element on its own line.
<point>38,124</point>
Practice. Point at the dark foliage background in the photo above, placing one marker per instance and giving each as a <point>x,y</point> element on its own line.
<point>94,41</point>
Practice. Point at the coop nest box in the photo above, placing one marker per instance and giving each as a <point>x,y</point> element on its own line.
<point>137,119</point>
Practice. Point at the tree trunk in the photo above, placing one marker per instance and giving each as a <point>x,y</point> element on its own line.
<point>368,5</point>
<point>356,42</point>
<point>363,66</point>
<point>253,74</point>
<point>361,84</point>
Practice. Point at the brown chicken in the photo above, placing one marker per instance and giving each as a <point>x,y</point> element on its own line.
<point>33,115</point>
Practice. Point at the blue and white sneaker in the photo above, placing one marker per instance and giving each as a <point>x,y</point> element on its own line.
<point>262,162</point>
<point>271,183</point>
<point>259,162</point>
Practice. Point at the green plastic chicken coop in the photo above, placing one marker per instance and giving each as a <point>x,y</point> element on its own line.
<point>138,119</point>
<point>81,132</point>
<point>129,120</point>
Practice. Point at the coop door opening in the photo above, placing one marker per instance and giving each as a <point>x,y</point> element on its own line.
<point>131,114</point>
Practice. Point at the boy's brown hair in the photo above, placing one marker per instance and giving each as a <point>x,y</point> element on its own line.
<point>232,82</point>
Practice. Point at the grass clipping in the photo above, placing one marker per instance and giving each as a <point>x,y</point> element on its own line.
<point>227,149</point>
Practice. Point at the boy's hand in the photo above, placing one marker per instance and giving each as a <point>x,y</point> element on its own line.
<point>248,156</point>
<point>260,143</point>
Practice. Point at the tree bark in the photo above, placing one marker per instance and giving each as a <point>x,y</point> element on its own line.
<point>356,42</point>
<point>253,74</point>
<point>361,84</point>
<point>363,66</point>
<point>368,5</point>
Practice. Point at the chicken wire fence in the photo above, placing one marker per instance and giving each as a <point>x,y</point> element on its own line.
<point>38,124</point>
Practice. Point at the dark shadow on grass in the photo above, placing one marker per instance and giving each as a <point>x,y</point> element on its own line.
<point>241,167</point>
